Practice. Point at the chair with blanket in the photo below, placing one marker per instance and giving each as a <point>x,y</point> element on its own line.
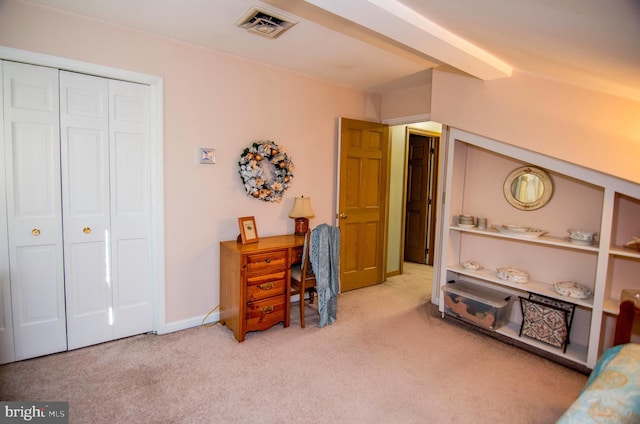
<point>319,272</point>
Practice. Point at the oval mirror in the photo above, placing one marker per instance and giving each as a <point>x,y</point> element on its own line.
<point>528,188</point>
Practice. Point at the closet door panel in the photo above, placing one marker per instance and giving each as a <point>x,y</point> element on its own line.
<point>32,159</point>
<point>130,207</point>
<point>85,197</point>
<point>7,353</point>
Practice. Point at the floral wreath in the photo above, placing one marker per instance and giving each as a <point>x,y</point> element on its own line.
<point>266,170</point>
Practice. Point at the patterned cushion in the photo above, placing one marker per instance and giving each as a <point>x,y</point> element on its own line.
<point>543,322</point>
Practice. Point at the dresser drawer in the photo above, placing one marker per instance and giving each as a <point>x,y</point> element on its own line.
<point>261,263</point>
<point>262,314</point>
<point>264,286</point>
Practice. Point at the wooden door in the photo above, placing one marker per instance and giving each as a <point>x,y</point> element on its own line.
<point>415,234</point>
<point>419,233</point>
<point>362,202</point>
<point>34,212</point>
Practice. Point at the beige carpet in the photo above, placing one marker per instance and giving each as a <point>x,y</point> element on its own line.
<point>389,358</point>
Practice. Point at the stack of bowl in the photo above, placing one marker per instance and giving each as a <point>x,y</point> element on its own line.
<point>466,221</point>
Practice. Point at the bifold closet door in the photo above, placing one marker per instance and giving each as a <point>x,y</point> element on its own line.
<point>106,208</point>
<point>84,136</point>
<point>33,208</point>
<point>130,178</point>
<point>7,353</point>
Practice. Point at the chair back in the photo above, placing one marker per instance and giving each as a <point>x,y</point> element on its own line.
<point>306,270</point>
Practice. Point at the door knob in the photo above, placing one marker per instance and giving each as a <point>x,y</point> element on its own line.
<point>35,231</point>
<point>86,230</point>
<point>342,215</point>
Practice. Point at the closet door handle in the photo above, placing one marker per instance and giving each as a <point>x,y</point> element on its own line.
<point>35,232</point>
<point>86,230</point>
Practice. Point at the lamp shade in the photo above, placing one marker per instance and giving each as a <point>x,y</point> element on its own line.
<point>302,208</point>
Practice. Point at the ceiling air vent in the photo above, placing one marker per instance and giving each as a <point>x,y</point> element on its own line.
<point>265,22</point>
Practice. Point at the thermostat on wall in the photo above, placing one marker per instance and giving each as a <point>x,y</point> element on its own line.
<point>207,155</point>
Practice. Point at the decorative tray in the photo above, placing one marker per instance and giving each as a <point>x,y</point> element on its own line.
<point>519,230</point>
<point>512,274</point>
<point>572,289</point>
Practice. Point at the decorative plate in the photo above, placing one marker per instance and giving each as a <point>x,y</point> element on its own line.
<point>466,225</point>
<point>512,274</point>
<point>515,230</point>
<point>572,289</point>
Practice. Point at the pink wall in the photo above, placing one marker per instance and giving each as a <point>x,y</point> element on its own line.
<point>587,128</point>
<point>215,100</point>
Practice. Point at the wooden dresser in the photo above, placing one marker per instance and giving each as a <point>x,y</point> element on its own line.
<point>254,282</point>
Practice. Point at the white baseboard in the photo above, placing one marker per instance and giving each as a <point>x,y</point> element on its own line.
<point>171,327</point>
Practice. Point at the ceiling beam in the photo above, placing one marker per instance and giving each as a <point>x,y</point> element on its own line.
<point>403,25</point>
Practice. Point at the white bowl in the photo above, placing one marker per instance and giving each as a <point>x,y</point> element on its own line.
<point>572,289</point>
<point>512,274</point>
<point>471,265</point>
<point>581,235</point>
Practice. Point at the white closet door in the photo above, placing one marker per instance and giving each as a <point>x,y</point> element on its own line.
<point>7,353</point>
<point>129,128</point>
<point>32,160</point>
<point>84,121</point>
<point>106,203</point>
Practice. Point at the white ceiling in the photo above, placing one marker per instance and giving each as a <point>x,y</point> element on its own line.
<point>370,44</point>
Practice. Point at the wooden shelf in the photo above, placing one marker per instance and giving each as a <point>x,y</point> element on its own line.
<point>546,240</point>
<point>476,169</point>
<point>611,306</point>
<point>575,352</point>
<point>624,252</point>
<point>532,286</point>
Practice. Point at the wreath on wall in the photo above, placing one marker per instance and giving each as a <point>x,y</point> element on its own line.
<point>266,170</point>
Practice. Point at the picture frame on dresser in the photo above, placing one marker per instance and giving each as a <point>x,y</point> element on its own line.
<point>248,230</point>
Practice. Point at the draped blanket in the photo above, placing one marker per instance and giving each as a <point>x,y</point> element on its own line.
<point>324,255</point>
<point>612,393</point>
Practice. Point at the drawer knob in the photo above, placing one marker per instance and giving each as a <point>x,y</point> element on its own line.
<point>268,261</point>
<point>266,286</point>
<point>35,232</point>
<point>267,309</point>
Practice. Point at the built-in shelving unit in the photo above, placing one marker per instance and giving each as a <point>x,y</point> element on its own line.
<point>476,168</point>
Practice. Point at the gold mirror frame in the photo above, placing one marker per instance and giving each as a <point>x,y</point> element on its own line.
<point>528,188</point>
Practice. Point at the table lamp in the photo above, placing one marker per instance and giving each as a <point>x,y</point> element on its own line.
<point>302,212</point>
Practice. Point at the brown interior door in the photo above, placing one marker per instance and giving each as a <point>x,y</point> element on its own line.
<point>362,202</point>
<point>419,237</point>
<point>416,207</point>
